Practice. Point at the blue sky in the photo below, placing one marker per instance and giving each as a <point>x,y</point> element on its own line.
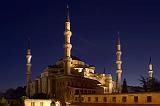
<point>94,25</point>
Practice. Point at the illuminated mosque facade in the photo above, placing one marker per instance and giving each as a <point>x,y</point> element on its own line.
<point>71,76</point>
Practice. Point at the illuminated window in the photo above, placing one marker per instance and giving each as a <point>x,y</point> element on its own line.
<point>135,98</point>
<point>105,89</point>
<point>104,99</point>
<point>124,99</point>
<point>96,99</point>
<point>113,99</point>
<point>149,98</point>
<point>41,103</point>
<point>89,99</point>
<point>32,104</point>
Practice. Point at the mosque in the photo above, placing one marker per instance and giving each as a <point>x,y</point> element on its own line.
<point>72,76</point>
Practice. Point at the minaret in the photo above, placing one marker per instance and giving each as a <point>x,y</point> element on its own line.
<point>28,69</point>
<point>67,45</point>
<point>150,72</point>
<point>119,67</point>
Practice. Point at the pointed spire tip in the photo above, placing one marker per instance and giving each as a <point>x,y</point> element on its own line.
<point>67,17</point>
<point>150,60</point>
<point>28,43</point>
<point>118,38</point>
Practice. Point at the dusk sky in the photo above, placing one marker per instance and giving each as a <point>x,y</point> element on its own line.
<point>94,26</point>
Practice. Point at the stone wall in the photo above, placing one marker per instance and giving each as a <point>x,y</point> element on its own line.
<point>41,102</point>
<point>128,98</point>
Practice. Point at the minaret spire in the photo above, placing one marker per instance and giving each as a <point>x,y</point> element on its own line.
<point>150,72</point>
<point>28,68</point>
<point>28,44</point>
<point>67,16</point>
<point>150,60</point>
<point>119,67</point>
<point>118,39</point>
<point>67,45</point>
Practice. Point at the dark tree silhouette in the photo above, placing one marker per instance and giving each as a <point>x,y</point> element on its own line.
<point>15,93</point>
<point>153,84</point>
<point>20,91</point>
<point>124,86</point>
<point>150,84</point>
<point>10,94</point>
<point>143,82</point>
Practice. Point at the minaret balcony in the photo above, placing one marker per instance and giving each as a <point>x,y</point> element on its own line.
<point>118,53</point>
<point>67,33</point>
<point>118,62</point>
<point>68,46</point>
<point>119,71</point>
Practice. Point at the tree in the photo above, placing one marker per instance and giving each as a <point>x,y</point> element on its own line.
<point>153,85</point>
<point>124,86</point>
<point>150,84</point>
<point>143,82</point>
<point>15,93</point>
